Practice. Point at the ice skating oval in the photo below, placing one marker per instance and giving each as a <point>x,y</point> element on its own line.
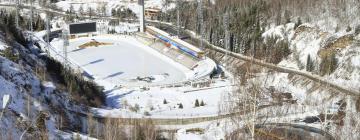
<point>123,60</point>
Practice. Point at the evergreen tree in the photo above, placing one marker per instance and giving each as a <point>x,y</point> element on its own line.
<point>81,10</point>
<point>72,9</point>
<point>113,12</point>
<point>328,64</point>
<point>197,103</point>
<point>202,103</point>
<point>287,16</point>
<point>357,30</point>
<point>165,102</point>
<point>90,12</point>
<point>181,106</point>
<point>309,64</point>
<point>298,23</point>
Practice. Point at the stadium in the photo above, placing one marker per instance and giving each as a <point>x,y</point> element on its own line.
<point>150,58</point>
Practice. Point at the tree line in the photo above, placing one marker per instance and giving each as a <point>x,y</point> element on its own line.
<point>248,19</point>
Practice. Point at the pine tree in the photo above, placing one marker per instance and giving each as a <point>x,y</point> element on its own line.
<point>309,64</point>
<point>90,12</point>
<point>298,23</point>
<point>165,102</point>
<point>81,10</point>
<point>334,63</point>
<point>202,103</point>
<point>181,106</point>
<point>357,30</point>
<point>197,103</point>
<point>328,64</point>
<point>113,12</point>
<point>287,16</point>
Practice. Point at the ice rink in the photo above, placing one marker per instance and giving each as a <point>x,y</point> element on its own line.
<point>125,60</point>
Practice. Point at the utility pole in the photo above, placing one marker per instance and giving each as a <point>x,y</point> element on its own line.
<point>65,36</point>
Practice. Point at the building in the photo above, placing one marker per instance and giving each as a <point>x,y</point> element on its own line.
<point>152,13</point>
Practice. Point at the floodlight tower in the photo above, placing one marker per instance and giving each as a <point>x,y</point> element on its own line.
<point>65,36</point>
<point>142,16</point>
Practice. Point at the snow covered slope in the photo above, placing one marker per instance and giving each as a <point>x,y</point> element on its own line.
<point>35,104</point>
<point>110,4</point>
<point>310,41</point>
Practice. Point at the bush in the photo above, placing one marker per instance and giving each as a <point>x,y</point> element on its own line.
<point>134,108</point>
<point>10,54</point>
<point>146,113</point>
<point>348,29</point>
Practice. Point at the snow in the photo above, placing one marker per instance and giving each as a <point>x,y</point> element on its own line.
<point>182,135</point>
<point>281,31</point>
<point>152,101</point>
<point>125,27</point>
<point>310,42</point>
<point>13,80</point>
<point>2,46</point>
<point>125,60</point>
<point>116,66</point>
<point>110,4</point>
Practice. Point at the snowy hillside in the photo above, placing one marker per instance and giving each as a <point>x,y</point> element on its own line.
<point>108,5</point>
<point>309,42</point>
<point>35,104</point>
